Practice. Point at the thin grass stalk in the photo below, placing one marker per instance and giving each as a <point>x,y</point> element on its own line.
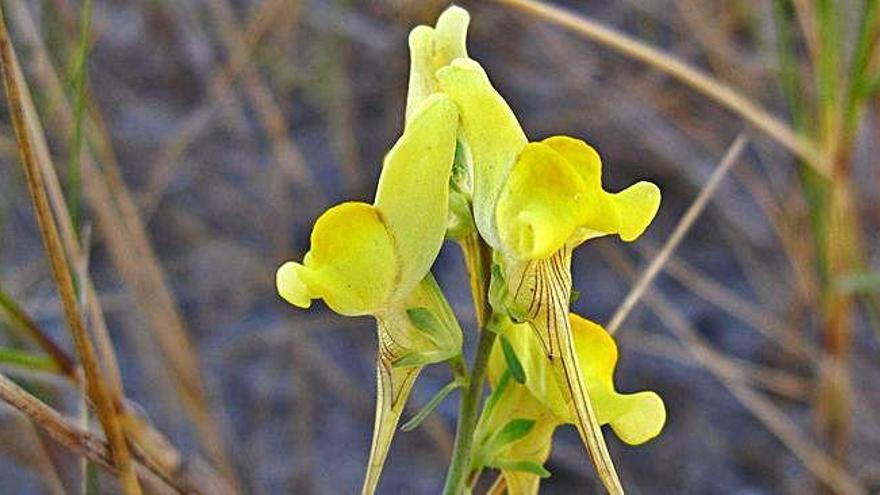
<point>703,83</point>
<point>133,255</point>
<point>823,466</point>
<point>287,154</point>
<point>95,386</point>
<point>720,296</point>
<point>144,434</point>
<point>80,71</point>
<point>681,229</point>
<point>842,236</point>
<point>81,442</point>
<point>782,383</point>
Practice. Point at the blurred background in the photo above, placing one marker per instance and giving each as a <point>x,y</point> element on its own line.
<point>216,131</point>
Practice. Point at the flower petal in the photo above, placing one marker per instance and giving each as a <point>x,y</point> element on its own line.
<point>291,286</point>
<point>635,418</point>
<point>627,213</point>
<point>393,386</point>
<point>422,79</point>
<point>413,192</point>
<point>539,292</point>
<point>352,264</point>
<point>538,209</point>
<point>636,206</point>
<point>398,338</point>
<point>432,48</point>
<point>494,136</point>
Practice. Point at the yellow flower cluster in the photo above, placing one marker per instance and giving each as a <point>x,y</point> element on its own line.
<point>532,203</point>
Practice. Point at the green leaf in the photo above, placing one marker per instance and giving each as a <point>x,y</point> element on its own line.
<point>513,363</point>
<point>512,431</point>
<point>575,295</point>
<point>525,466</point>
<point>496,394</point>
<point>27,360</point>
<point>425,320</point>
<point>432,404</point>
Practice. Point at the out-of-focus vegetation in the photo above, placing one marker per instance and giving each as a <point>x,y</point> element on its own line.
<point>185,148</point>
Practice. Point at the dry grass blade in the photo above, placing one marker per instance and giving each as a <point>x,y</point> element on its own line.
<point>779,382</point>
<point>145,436</point>
<point>735,305</point>
<point>82,442</point>
<point>713,88</point>
<point>123,230</point>
<point>95,386</point>
<point>812,457</point>
<point>274,121</point>
<point>690,216</point>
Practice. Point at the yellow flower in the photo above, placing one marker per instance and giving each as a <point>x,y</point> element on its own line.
<point>533,204</point>
<point>635,418</point>
<point>432,49</point>
<point>375,259</point>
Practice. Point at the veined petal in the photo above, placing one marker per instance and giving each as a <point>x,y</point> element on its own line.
<point>494,136</point>
<point>538,208</point>
<point>539,293</point>
<point>398,339</point>
<point>432,48</point>
<point>393,386</point>
<point>352,264</point>
<point>635,418</point>
<point>413,192</point>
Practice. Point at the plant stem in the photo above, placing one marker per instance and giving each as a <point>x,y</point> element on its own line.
<point>467,417</point>
<point>478,258</point>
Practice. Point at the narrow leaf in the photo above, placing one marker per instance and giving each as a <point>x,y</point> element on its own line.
<point>430,406</point>
<point>525,466</point>
<point>513,363</point>
<point>512,431</point>
<point>496,394</point>
<point>27,360</point>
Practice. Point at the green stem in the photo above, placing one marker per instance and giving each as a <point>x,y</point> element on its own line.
<point>467,417</point>
<point>478,257</point>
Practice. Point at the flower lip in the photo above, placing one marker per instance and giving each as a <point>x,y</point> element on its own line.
<point>554,197</point>
<point>291,287</point>
<point>351,265</point>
